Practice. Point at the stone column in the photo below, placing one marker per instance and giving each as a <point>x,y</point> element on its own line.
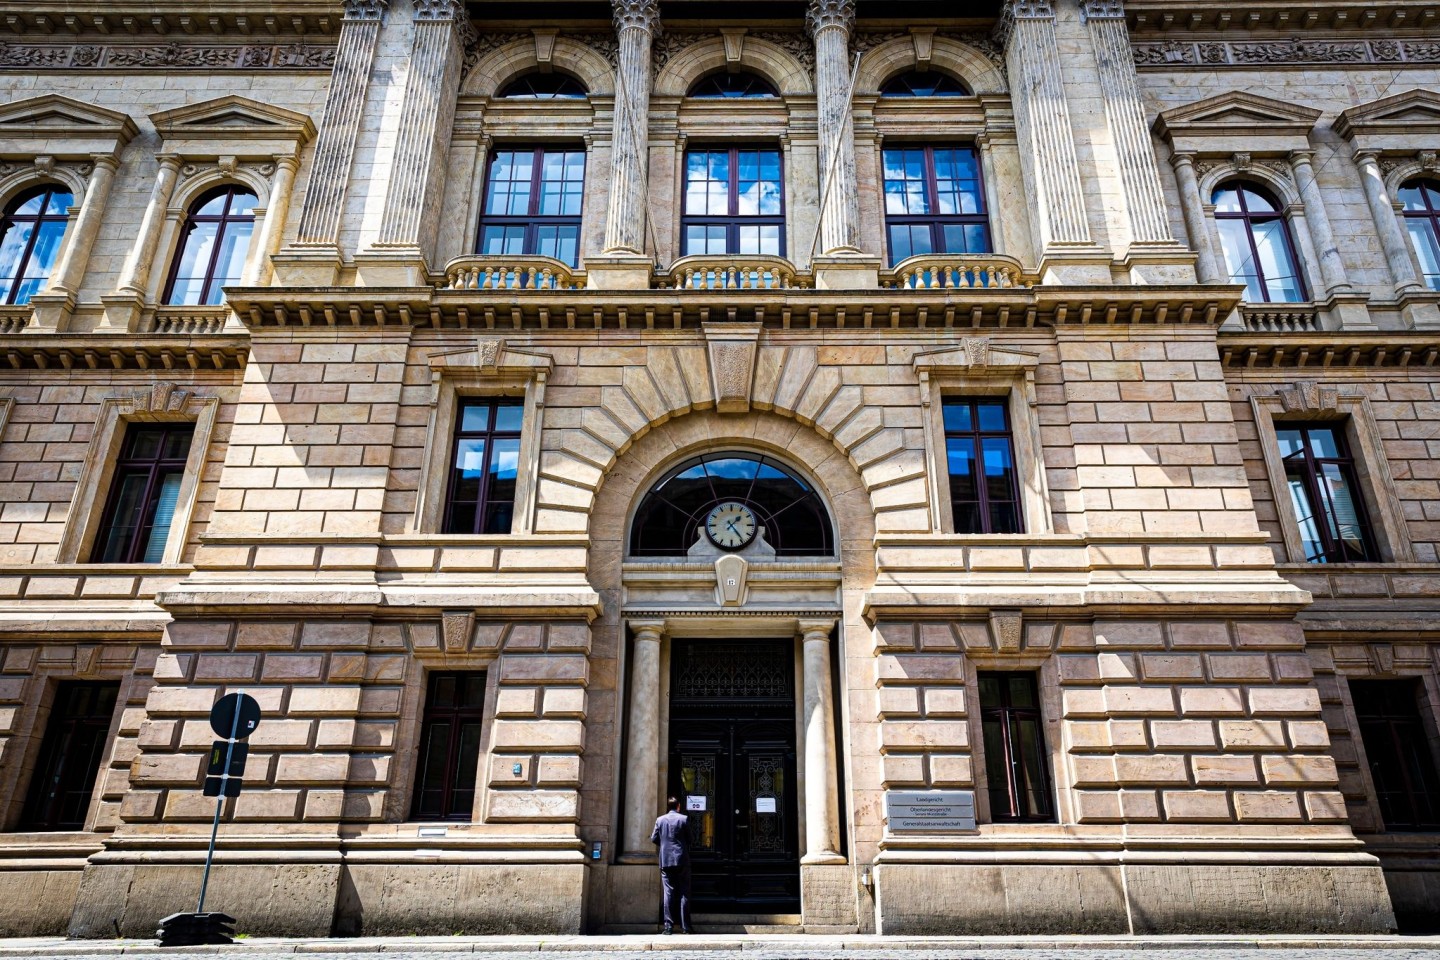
<point>829,22</point>
<point>1392,238</point>
<point>642,744</point>
<point>314,258</point>
<point>69,271</point>
<point>1332,269</point>
<point>427,113</point>
<point>1192,205</point>
<point>272,227</point>
<point>637,22</point>
<point>822,802</point>
<point>122,308</point>
<point>1125,116</point>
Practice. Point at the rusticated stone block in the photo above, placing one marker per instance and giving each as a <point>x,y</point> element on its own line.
<point>1325,806</point>
<point>1229,769</point>
<point>538,735</point>
<point>919,668</point>
<point>1182,734</point>
<point>903,736</point>
<point>951,770</point>
<point>517,702</point>
<point>324,700</point>
<point>544,669</point>
<point>1272,806</point>
<point>532,806</point>
<point>945,702</point>
<point>564,702</point>
<point>903,770</point>
<point>1298,771</point>
<point>1160,768</point>
<point>1197,806</point>
<point>319,768</point>
<point>1273,701</point>
<point>1252,735</point>
<point>1139,700</point>
<point>1212,701</point>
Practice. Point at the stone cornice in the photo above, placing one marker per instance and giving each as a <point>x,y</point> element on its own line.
<point>1314,352</point>
<point>1152,17</point>
<point>180,18</point>
<point>131,352</point>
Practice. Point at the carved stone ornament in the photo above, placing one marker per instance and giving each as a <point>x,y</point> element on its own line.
<point>644,14</point>
<point>442,10</point>
<point>1029,10</point>
<point>1241,162</point>
<point>365,9</point>
<point>162,397</point>
<point>667,47</point>
<point>797,45</point>
<point>456,627</point>
<point>487,353</point>
<point>604,44</point>
<point>479,45</point>
<point>175,55</point>
<point>732,350</point>
<point>731,574</point>
<point>977,351</point>
<point>1307,396</point>
<point>1428,161</point>
<point>1102,10</point>
<point>823,14</point>
<point>1005,630</point>
<point>983,42</point>
<point>1294,51</point>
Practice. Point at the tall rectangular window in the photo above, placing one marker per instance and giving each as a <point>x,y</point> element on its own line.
<point>934,202</point>
<point>1323,489</point>
<point>450,734</point>
<point>1400,750</point>
<point>487,461</point>
<point>532,203</point>
<point>70,756</point>
<point>734,202</point>
<point>144,492</point>
<point>980,451</point>
<point>1015,758</point>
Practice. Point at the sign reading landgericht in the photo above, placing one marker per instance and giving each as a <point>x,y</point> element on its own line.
<point>929,811</point>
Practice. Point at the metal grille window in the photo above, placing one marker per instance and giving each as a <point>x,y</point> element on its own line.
<point>1255,239</point>
<point>980,451</point>
<point>75,739</point>
<point>1328,506</point>
<point>486,464</point>
<point>934,202</point>
<point>1420,210</point>
<point>532,204</point>
<point>734,202</point>
<point>1015,757</point>
<point>30,234</point>
<point>450,735</point>
<point>214,244</point>
<point>144,493</point>
<point>1401,752</point>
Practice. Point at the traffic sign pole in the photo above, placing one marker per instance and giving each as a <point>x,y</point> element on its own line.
<point>219,805</point>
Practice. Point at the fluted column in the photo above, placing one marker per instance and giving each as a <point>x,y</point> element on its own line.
<point>426,120</point>
<point>1125,116</point>
<point>642,742</point>
<point>68,273</point>
<point>1392,238</point>
<point>1042,123</point>
<point>1192,206</point>
<point>135,272</point>
<point>1332,268</point>
<point>272,227</point>
<point>637,22</point>
<point>822,801</point>
<point>340,128</point>
<point>829,23</point>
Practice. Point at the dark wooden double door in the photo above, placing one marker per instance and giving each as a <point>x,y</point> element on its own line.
<point>732,753</point>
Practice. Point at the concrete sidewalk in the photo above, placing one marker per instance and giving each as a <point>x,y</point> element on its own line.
<point>782,945</point>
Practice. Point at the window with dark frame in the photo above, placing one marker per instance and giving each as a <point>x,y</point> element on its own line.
<point>1420,212</point>
<point>934,202</point>
<point>1400,748</point>
<point>734,202</point>
<point>451,730</point>
<point>1015,757</point>
<point>726,85</point>
<point>927,83</point>
<point>1329,508</point>
<point>31,232</point>
<point>544,86</point>
<point>485,465</point>
<point>980,455</point>
<point>533,198</point>
<point>144,492</point>
<point>1256,243</point>
<point>214,243</point>
<point>76,735</point>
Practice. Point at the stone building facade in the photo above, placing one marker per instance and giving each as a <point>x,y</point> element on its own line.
<point>542,407</point>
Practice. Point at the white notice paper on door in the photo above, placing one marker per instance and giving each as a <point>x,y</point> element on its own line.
<point>764,804</point>
<point>695,804</point>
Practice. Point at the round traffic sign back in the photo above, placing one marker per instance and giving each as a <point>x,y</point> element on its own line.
<point>235,707</point>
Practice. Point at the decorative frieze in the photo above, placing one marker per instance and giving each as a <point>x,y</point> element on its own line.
<point>168,56</point>
<point>1297,51</point>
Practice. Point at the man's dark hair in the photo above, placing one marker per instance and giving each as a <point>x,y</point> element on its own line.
<point>672,803</point>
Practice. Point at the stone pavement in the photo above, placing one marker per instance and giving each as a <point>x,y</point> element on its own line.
<point>777,947</point>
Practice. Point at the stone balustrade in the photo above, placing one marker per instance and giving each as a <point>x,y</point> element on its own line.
<point>190,320</point>
<point>1281,318</point>
<point>733,272</point>
<point>510,273</point>
<point>13,319</point>
<point>936,271</point>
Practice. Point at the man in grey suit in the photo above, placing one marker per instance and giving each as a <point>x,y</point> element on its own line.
<point>672,833</point>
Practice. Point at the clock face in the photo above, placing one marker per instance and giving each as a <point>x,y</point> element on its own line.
<point>730,525</point>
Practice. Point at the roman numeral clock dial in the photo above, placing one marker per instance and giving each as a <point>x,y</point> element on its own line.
<point>730,525</point>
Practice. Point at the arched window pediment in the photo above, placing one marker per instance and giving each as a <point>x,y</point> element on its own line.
<point>544,86</point>
<point>726,85</point>
<point>728,491</point>
<point>928,83</point>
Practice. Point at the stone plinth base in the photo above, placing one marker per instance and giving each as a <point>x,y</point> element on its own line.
<point>440,899</point>
<point>980,899</point>
<point>828,897</point>
<point>38,902</point>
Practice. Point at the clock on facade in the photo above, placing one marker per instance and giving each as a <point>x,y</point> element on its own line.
<point>730,525</point>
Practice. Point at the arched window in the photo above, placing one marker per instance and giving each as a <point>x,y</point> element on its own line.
<point>1255,239</point>
<point>30,235</point>
<point>931,83</point>
<point>213,247</point>
<point>544,86</point>
<point>1420,203</point>
<point>731,496</point>
<point>732,86</point>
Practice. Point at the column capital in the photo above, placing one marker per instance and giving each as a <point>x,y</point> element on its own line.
<point>643,14</point>
<point>652,630</point>
<point>816,629</point>
<point>107,160</point>
<point>170,161</point>
<point>1182,159</point>
<point>1028,10</point>
<point>287,161</point>
<point>823,14</point>
<point>1101,10</point>
<point>1366,155</point>
<point>445,11</point>
<point>365,9</point>
<point>1301,157</point>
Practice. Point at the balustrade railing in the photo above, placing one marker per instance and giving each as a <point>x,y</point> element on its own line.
<point>509,273</point>
<point>13,319</point>
<point>190,320</point>
<point>946,271</point>
<point>710,272</point>
<point>1281,318</point>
